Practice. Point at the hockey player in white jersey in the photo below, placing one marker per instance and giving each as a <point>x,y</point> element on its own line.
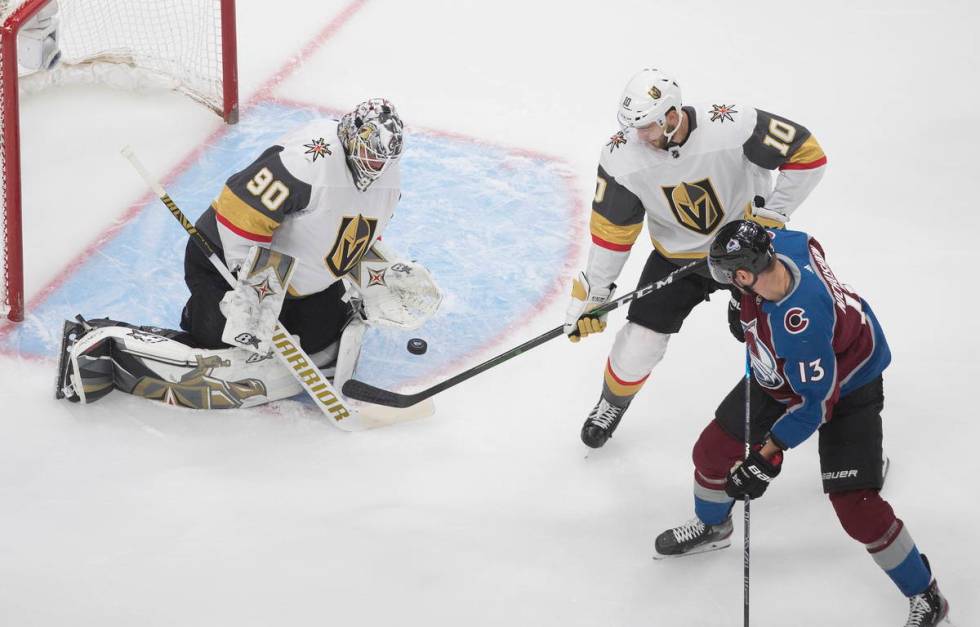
<point>687,170</point>
<point>301,227</point>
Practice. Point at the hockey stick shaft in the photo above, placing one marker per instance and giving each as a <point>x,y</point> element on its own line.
<point>199,239</point>
<point>289,352</point>
<point>748,501</point>
<point>365,392</point>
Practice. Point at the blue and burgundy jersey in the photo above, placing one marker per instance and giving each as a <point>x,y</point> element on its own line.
<point>814,346</point>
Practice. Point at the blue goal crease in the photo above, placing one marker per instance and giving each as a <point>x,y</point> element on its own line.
<point>494,226</point>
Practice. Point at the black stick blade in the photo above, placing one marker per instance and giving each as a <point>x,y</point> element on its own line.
<point>360,391</point>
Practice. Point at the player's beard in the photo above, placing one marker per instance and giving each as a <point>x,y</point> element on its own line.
<point>748,290</point>
<point>662,142</point>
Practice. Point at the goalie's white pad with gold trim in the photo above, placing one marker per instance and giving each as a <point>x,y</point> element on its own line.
<point>147,362</point>
<point>155,366</point>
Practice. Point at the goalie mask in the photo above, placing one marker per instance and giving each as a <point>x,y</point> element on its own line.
<point>372,138</point>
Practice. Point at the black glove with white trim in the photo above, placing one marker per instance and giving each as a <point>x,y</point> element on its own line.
<point>752,476</point>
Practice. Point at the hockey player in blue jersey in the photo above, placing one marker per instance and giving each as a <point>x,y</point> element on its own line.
<point>817,354</point>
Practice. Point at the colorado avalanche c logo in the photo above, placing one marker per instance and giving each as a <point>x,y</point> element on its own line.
<point>795,320</point>
<point>764,365</point>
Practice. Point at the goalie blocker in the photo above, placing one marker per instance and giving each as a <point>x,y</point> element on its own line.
<point>252,307</point>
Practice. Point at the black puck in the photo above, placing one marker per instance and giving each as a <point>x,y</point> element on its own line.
<point>417,346</point>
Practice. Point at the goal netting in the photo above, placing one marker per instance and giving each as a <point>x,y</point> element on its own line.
<point>183,45</point>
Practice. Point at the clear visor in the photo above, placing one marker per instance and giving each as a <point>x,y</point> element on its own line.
<point>719,274</point>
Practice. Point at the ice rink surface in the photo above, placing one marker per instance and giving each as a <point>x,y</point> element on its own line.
<point>492,512</point>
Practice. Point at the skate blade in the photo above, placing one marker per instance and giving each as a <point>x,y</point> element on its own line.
<point>711,546</point>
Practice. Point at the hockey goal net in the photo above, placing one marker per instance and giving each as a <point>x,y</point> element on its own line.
<point>184,45</point>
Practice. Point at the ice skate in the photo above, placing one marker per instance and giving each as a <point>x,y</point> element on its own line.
<point>928,608</point>
<point>601,423</point>
<point>693,537</point>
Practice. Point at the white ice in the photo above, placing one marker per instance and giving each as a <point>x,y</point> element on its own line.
<point>492,512</point>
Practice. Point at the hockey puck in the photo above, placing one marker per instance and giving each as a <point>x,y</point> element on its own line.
<point>417,346</point>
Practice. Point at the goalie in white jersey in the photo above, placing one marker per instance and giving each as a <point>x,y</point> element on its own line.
<point>687,170</point>
<point>301,227</point>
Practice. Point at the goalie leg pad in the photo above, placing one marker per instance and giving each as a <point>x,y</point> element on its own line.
<point>350,351</point>
<point>327,357</point>
<point>64,384</point>
<point>97,381</point>
<point>148,362</point>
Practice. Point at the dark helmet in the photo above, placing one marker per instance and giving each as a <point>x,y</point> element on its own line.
<point>739,245</point>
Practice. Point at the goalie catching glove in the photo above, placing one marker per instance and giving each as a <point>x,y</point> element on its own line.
<point>399,294</point>
<point>585,298</point>
<point>252,308</point>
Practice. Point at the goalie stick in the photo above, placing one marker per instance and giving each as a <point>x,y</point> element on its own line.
<point>289,352</point>
<point>362,391</point>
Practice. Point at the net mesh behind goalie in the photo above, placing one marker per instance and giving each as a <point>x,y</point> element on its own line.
<point>184,45</point>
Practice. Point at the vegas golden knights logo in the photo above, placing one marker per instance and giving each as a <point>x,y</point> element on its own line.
<point>353,240</point>
<point>198,389</point>
<point>695,205</point>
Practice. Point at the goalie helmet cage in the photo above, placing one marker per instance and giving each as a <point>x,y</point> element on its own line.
<point>185,45</point>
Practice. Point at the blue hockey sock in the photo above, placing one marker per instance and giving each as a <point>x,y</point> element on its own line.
<point>898,556</point>
<point>713,512</point>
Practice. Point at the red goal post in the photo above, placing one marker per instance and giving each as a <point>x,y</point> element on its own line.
<point>185,45</point>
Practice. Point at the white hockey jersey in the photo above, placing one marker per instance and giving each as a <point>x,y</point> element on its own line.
<point>690,190</point>
<point>299,198</point>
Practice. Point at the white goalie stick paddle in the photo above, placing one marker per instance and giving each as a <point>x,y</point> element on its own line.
<point>366,392</point>
<point>324,395</point>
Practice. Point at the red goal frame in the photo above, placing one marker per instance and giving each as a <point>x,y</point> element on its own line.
<point>13,246</point>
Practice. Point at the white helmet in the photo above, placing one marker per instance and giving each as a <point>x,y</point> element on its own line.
<point>648,97</point>
<point>372,138</point>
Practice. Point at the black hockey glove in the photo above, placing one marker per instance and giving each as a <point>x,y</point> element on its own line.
<point>734,320</point>
<point>753,476</point>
